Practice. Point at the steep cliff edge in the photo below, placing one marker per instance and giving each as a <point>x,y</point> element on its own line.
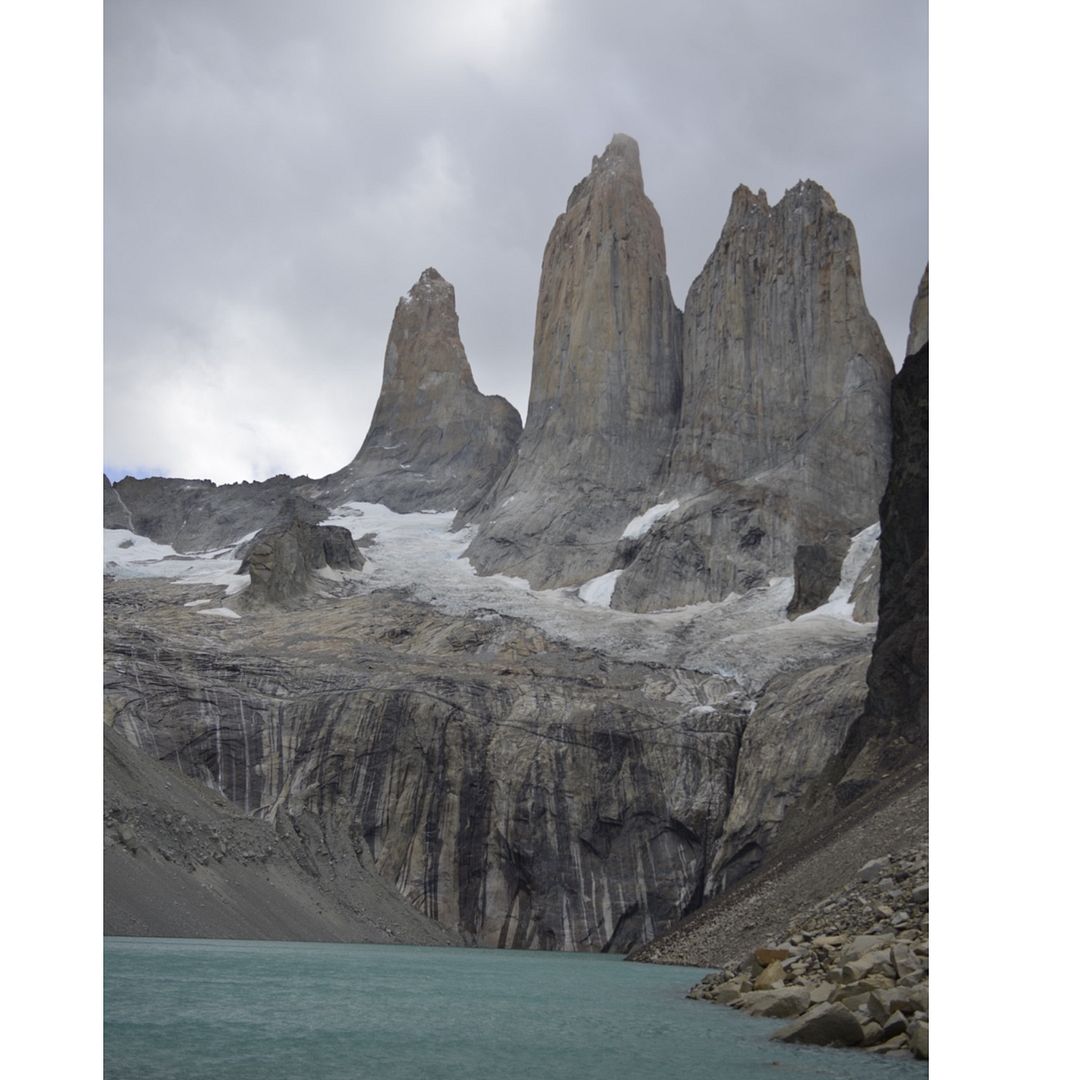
<point>435,442</point>
<point>895,725</point>
<point>606,387</point>
<point>783,434</point>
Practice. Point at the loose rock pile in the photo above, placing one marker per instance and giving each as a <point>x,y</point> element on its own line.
<point>853,971</point>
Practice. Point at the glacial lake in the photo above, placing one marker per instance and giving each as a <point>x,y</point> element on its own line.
<point>234,1010</point>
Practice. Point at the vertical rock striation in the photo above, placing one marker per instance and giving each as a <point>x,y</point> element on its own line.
<point>435,442</point>
<point>606,387</point>
<point>783,435</point>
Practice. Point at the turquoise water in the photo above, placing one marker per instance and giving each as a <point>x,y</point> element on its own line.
<point>233,1010</point>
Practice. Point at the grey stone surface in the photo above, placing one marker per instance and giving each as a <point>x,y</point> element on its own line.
<point>785,390</point>
<point>435,442</point>
<point>284,559</point>
<point>605,387</point>
<point>181,861</point>
<point>828,1024</point>
<point>778,1004</point>
<point>799,723</point>
<point>524,792</point>
<point>817,572</point>
<point>115,514</point>
<point>918,1034</point>
<point>199,515</point>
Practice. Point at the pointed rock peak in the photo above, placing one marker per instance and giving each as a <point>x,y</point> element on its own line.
<point>620,161</point>
<point>431,286</point>
<point>809,192</point>
<point>621,153</point>
<point>919,323</point>
<point>744,201</point>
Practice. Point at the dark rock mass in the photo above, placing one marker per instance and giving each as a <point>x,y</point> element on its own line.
<point>199,515</point>
<point>895,723</point>
<point>115,514</point>
<point>783,435</point>
<point>285,557</point>
<point>605,387</point>
<point>817,570</point>
<point>435,442</point>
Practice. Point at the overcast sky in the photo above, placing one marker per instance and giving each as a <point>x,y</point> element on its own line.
<point>278,173</point>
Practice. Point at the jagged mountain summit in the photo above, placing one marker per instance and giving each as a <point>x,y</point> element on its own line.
<point>679,458</point>
<point>606,387</point>
<point>435,442</point>
<point>783,436</point>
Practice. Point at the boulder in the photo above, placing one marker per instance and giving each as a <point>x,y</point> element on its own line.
<point>766,955</point>
<point>828,1024</point>
<point>283,558</point>
<point>771,976</point>
<point>918,1034</point>
<point>779,1004</point>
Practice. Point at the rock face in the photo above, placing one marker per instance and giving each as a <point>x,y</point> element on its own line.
<point>798,725</point>
<point>606,387</point>
<point>182,861</point>
<point>895,724</point>
<point>115,514</point>
<point>284,558</point>
<point>783,434</point>
<point>526,793</point>
<point>435,442</point>
<point>199,515</point>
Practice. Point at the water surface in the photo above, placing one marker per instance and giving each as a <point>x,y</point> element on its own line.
<point>233,1010</point>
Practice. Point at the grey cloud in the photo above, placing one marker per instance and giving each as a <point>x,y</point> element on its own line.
<point>278,174</point>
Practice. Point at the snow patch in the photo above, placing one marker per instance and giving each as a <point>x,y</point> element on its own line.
<point>599,590</point>
<point>142,558</point>
<point>228,613</point>
<point>840,604</point>
<point>198,603</point>
<point>640,525</point>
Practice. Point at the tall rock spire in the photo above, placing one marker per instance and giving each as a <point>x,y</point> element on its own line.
<point>783,436</point>
<point>606,386</point>
<point>435,442</point>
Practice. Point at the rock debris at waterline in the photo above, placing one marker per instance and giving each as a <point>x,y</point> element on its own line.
<point>854,971</point>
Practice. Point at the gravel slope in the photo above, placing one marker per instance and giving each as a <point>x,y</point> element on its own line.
<point>891,818</point>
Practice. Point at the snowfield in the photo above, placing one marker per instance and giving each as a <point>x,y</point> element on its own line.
<point>745,637</point>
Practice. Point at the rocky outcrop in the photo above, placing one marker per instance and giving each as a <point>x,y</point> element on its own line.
<point>529,794</point>
<point>115,515</point>
<point>606,387</point>
<point>199,515</point>
<point>798,725</point>
<point>285,559</point>
<point>895,725</point>
<point>435,442</point>
<point>182,861</point>
<point>853,969</point>
<point>783,433</point>
<point>817,570</point>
